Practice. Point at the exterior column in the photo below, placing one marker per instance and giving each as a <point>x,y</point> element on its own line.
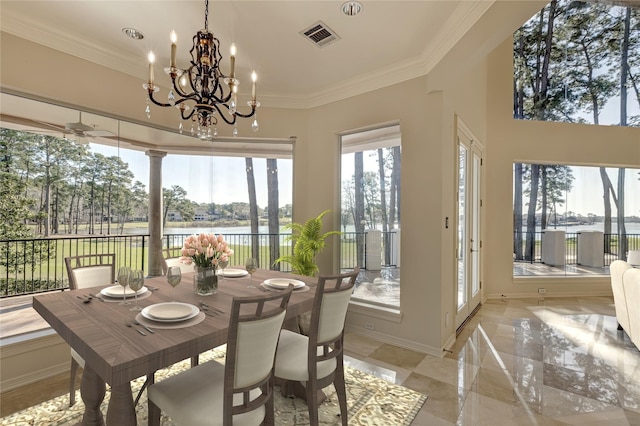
<point>155,212</point>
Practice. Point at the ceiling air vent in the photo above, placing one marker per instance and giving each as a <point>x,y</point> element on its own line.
<point>319,34</point>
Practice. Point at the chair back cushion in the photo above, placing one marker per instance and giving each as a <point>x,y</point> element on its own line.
<point>92,276</point>
<point>330,307</point>
<point>256,348</point>
<point>333,313</point>
<point>175,261</point>
<point>91,270</point>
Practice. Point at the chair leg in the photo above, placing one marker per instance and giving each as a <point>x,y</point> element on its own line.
<point>150,380</point>
<point>153,414</point>
<point>72,382</point>
<point>312,402</point>
<point>341,392</point>
<point>269,419</point>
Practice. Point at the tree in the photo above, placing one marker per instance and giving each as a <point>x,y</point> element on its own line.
<point>394,190</point>
<point>253,210</point>
<point>175,198</point>
<point>383,206</point>
<point>15,204</point>
<point>358,219</point>
<point>273,210</point>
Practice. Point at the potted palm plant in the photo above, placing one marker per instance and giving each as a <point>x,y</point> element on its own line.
<point>309,240</point>
<point>308,243</point>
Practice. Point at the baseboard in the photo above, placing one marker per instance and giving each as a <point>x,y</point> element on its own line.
<point>449,343</point>
<point>35,376</point>
<point>397,341</point>
<point>31,358</point>
<point>550,294</point>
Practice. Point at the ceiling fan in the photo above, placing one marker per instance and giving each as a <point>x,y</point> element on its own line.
<point>78,130</point>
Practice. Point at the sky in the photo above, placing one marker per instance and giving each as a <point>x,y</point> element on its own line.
<point>223,180</point>
<point>219,180</point>
<point>587,192</point>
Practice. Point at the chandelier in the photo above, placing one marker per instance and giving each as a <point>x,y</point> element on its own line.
<point>202,93</point>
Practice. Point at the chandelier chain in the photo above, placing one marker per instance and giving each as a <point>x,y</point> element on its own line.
<point>206,14</point>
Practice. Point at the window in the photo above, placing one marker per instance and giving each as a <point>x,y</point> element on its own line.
<point>570,61</point>
<point>573,220</point>
<point>370,216</point>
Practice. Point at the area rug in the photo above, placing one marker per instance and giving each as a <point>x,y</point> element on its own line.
<point>370,400</point>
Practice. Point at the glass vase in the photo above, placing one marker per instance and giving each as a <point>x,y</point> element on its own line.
<point>205,280</point>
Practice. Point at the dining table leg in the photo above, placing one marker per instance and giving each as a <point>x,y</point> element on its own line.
<point>92,390</point>
<point>121,411</point>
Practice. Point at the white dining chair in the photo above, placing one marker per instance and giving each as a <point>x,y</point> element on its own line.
<point>240,392</point>
<point>83,272</point>
<point>316,360</point>
<point>170,258</point>
<point>633,258</point>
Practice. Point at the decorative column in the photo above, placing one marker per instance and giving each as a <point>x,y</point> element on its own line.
<point>155,212</point>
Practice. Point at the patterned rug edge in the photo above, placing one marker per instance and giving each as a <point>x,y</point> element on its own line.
<point>371,400</point>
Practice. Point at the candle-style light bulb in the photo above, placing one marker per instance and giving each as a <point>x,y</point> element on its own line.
<point>174,38</point>
<point>254,78</point>
<point>233,61</point>
<point>152,59</point>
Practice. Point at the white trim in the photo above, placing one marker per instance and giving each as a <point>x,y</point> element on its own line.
<point>27,342</point>
<point>562,279</point>
<point>381,312</point>
<point>594,293</point>
<point>397,341</point>
<point>35,376</point>
<point>44,342</point>
<point>449,343</point>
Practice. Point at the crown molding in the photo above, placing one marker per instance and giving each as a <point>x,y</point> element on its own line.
<point>458,24</point>
<point>464,17</point>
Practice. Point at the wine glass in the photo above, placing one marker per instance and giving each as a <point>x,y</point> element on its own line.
<point>251,264</point>
<point>136,280</point>
<point>123,280</point>
<point>174,276</point>
<point>223,264</point>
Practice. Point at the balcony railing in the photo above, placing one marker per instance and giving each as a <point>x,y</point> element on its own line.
<point>29,266</point>
<point>610,248</point>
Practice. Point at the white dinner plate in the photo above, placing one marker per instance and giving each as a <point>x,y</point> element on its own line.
<point>232,273</point>
<point>116,291</point>
<point>170,312</point>
<point>283,283</point>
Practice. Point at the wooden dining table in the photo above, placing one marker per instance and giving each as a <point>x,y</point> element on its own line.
<point>115,352</point>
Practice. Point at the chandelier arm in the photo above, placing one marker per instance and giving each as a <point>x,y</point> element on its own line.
<point>152,99</point>
<point>181,93</point>
<point>224,116</point>
<point>188,116</point>
<point>250,114</point>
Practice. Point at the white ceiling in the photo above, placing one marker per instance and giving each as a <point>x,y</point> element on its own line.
<point>388,42</point>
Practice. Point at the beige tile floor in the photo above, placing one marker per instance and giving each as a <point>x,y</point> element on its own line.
<point>554,361</point>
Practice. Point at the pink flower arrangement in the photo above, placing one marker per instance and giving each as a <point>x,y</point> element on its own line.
<point>205,250</point>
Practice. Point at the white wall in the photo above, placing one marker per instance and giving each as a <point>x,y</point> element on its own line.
<point>510,141</point>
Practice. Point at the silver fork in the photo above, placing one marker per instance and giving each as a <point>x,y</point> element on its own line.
<point>135,321</point>
<point>217,310</point>
<point>128,324</point>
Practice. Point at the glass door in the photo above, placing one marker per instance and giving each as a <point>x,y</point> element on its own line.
<point>468,227</point>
